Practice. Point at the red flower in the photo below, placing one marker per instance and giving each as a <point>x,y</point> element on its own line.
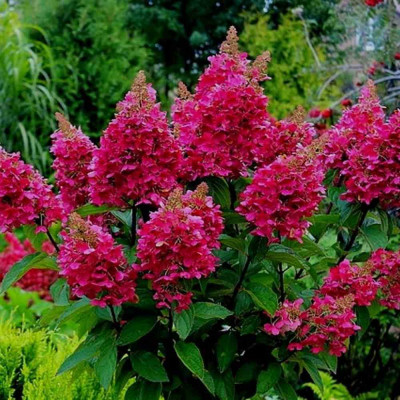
<point>372,3</point>
<point>397,56</point>
<point>314,113</point>
<point>94,265</point>
<point>73,151</point>
<point>177,243</point>
<point>346,102</point>
<point>25,196</point>
<point>138,158</point>
<point>282,195</point>
<point>327,113</point>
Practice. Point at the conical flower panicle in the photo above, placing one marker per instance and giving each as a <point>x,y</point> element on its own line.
<point>73,153</point>
<point>219,125</point>
<point>176,244</point>
<point>138,158</point>
<point>94,265</point>
<point>25,196</point>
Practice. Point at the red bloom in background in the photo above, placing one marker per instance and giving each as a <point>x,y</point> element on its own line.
<point>25,196</point>
<point>327,113</point>
<point>346,102</point>
<point>397,56</point>
<point>35,280</point>
<point>94,265</point>
<point>387,265</point>
<point>314,113</point>
<point>220,126</point>
<point>73,153</point>
<point>176,244</point>
<point>282,195</point>
<point>372,3</point>
<point>138,158</point>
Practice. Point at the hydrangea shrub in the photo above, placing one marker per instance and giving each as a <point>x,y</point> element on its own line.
<point>224,254</point>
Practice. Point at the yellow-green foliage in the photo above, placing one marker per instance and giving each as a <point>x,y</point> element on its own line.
<point>296,75</point>
<point>29,360</point>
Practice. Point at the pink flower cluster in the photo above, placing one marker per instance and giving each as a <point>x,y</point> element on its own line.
<point>37,280</point>
<point>73,153</point>
<point>25,196</point>
<point>346,279</point>
<point>221,125</point>
<point>387,266</point>
<point>282,195</point>
<point>94,265</point>
<point>176,244</point>
<point>138,159</point>
<point>366,148</point>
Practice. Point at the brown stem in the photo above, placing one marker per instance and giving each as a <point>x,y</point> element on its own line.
<point>241,279</point>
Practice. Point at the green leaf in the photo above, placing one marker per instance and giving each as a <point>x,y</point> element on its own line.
<point>148,366</point>
<point>313,372</point>
<point>90,209</point>
<point>144,391</point>
<point>59,291</point>
<point>258,248</point>
<point>330,361</point>
<point>191,358</point>
<point>286,390</point>
<point>268,378</point>
<point>79,307</point>
<point>19,269</point>
<point>124,216</point>
<point>136,328</point>
<point>208,382</point>
<point>183,322</point>
<point>280,254</point>
<point>106,364</point>
<point>233,243</point>
<point>232,218</point>
<point>375,237</point>
<point>219,190</point>
<point>246,373</point>
<point>263,297</point>
<point>224,385</point>
<point>363,319</point>
<point>226,350</point>
<point>210,311</point>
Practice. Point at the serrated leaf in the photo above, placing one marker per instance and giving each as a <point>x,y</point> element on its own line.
<point>226,349</point>
<point>263,297</point>
<point>224,385</point>
<point>106,363</point>
<point>313,372</point>
<point>268,378</point>
<point>144,390</point>
<point>19,269</point>
<point>286,256</point>
<point>232,218</point>
<point>210,311</point>
<point>258,248</point>
<point>285,389</point>
<point>136,328</point>
<point>148,366</point>
<point>183,322</point>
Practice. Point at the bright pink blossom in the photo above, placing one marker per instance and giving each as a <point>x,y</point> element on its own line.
<point>138,158</point>
<point>176,244</point>
<point>73,153</point>
<point>347,279</point>
<point>35,280</point>
<point>221,125</point>
<point>286,319</point>
<point>282,195</point>
<point>94,265</point>
<point>25,196</point>
<point>387,265</point>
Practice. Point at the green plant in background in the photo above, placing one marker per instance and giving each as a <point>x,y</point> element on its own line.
<point>29,360</point>
<point>97,55</point>
<point>27,92</point>
<point>296,68</point>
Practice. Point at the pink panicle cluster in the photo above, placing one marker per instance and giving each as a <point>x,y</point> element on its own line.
<point>177,243</point>
<point>346,278</point>
<point>25,196</point>
<point>326,324</point>
<point>35,280</point>
<point>286,137</point>
<point>73,153</point>
<point>386,264</point>
<point>282,195</point>
<point>94,265</point>
<point>366,149</point>
<point>221,125</point>
<point>138,158</point>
